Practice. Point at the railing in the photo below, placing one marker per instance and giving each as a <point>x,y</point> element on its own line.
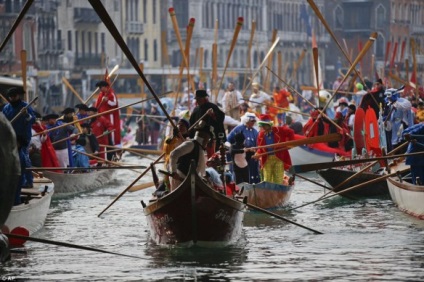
<point>134,27</point>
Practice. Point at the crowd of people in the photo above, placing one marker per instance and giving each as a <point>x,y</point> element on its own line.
<point>77,139</point>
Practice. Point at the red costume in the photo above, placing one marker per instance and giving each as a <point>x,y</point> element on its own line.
<point>113,117</point>
<point>281,134</point>
<point>48,154</point>
<point>98,127</point>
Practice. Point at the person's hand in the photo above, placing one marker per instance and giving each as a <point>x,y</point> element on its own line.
<point>407,137</point>
<point>104,99</point>
<point>255,157</point>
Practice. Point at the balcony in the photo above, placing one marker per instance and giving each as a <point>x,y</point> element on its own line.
<point>55,47</point>
<point>134,27</point>
<point>88,61</point>
<point>86,15</point>
<point>417,29</point>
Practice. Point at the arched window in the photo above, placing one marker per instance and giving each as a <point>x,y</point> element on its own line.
<point>380,16</point>
<point>338,17</point>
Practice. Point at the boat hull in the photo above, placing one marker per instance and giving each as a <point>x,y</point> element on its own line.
<point>267,195</point>
<point>195,214</point>
<point>301,155</point>
<point>408,197</point>
<point>72,183</point>
<point>334,177</point>
<point>33,214</point>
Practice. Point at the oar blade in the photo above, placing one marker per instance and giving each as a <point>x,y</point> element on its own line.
<point>16,241</point>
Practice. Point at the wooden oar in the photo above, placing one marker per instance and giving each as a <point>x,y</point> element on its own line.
<point>353,187</point>
<point>67,138</point>
<point>68,245</point>
<point>249,52</point>
<point>23,110</point>
<point>278,216</point>
<point>267,86</point>
<point>368,166</point>
<point>318,166</point>
<point>286,110</point>
<point>67,84</point>
<point>322,113</point>
<point>141,186</point>
<point>239,25</point>
<point>87,168</point>
<point>16,23</point>
<point>110,25</point>
<point>311,140</point>
<point>151,152</point>
<point>95,115</point>
<point>147,169</point>
<point>24,72</point>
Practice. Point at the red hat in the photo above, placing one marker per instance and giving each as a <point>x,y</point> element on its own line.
<point>265,119</point>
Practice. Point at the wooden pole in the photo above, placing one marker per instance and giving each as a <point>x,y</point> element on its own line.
<point>24,73</point>
<point>239,25</point>
<point>249,52</point>
<point>115,68</point>
<point>267,82</point>
<point>66,82</point>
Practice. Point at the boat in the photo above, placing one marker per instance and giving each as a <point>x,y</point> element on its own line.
<point>407,197</point>
<point>266,195</point>
<point>195,214</point>
<point>32,213</point>
<point>335,176</point>
<point>314,153</point>
<point>67,184</point>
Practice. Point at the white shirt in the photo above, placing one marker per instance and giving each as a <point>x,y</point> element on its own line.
<point>231,100</point>
<point>256,99</point>
<point>185,148</point>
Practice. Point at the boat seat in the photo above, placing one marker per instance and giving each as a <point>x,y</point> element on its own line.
<point>30,191</point>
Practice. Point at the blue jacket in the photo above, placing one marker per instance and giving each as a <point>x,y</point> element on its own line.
<point>418,130</point>
<point>23,124</point>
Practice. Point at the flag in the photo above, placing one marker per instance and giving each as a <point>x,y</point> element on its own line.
<point>107,78</point>
<point>304,16</point>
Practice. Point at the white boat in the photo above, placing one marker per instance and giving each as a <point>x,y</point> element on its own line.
<point>408,197</point>
<point>305,154</point>
<point>67,184</point>
<point>32,213</point>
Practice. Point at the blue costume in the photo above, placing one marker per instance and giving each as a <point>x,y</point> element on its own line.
<point>22,127</point>
<point>251,136</point>
<point>80,160</point>
<point>416,162</point>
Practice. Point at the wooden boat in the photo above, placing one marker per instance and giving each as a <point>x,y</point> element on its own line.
<point>67,184</point>
<point>335,176</point>
<point>408,197</point>
<point>195,214</point>
<point>32,213</point>
<point>267,195</point>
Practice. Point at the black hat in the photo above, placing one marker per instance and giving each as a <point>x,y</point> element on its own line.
<point>50,116</point>
<point>68,111</point>
<point>379,81</point>
<point>81,107</point>
<point>15,91</point>
<point>352,107</point>
<point>102,83</point>
<point>201,94</point>
<point>85,125</point>
<point>92,109</point>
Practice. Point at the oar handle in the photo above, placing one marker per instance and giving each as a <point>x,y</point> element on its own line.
<point>21,112</point>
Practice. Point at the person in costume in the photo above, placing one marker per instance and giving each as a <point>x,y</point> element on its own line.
<point>62,148</point>
<point>273,162</point>
<point>100,127</point>
<point>22,126</point>
<point>215,119</point>
<point>247,127</point>
<point>106,101</point>
<point>281,100</point>
<point>415,134</point>
<point>258,99</point>
<point>192,149</point>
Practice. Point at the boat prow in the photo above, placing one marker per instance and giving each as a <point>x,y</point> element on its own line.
<point>195,214</point>
<point>32,212</point>
<point>267,195</point>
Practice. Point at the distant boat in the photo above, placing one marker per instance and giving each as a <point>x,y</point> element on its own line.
<point>267,195</point>
<point>32,213</point>
<point>195,214</point>
<point>408,197</point>
<point>67,184</point>
<point>335,176</point>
